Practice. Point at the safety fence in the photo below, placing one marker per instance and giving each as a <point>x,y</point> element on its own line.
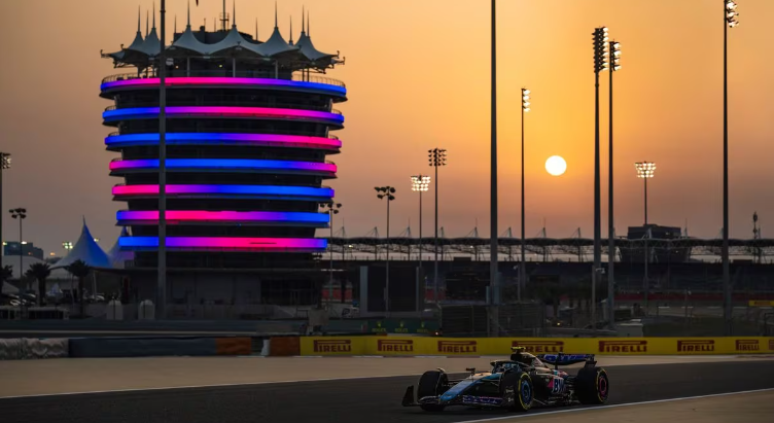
<point>414,346</point>
<point>32,348</point>
<point>29,348</point>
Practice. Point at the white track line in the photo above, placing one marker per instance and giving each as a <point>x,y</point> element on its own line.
<point>607,407</point>
<point>167,388</point>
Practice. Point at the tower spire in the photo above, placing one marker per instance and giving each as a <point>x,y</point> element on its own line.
<point>308,24</point>
<point>291,30</point>
<point>276,22</point>
<point>224,19</point>
<point>256,29</point>
<point>139,13</point>
<point>233,16</point>
<point>303,22</point>
<point>189,13</point>
<point>147,23</point>
<point>154,15</point>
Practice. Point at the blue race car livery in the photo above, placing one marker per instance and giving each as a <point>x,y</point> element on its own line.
<point>519,384</point>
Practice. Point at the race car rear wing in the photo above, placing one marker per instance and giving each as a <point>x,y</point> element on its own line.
<point>562,359</point>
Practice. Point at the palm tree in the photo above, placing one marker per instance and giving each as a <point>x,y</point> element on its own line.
<point>6,273</point>
<point>40,272</point>
<point>80,270</point>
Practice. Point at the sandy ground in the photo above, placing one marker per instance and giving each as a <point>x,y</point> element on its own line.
<point>56,376</point>
<point>749,407</point>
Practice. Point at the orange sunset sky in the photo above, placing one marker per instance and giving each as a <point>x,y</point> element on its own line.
<point>418,77</point>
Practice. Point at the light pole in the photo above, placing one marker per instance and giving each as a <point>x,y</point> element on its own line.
<point>332,209</point>
<point>600,64</point>
<point>615,49</point>
<point>5,163</point>
<point>493,166</point>
<point>730,20</point>
<point>437,158</point>
<point>386,192</point>
<point>21,214</point>
<point>420,184</point>
<point>646,170</point>
<point>67,245</point>
<point>161,288</point>
<point>522,269</point>
<point>161,285</point>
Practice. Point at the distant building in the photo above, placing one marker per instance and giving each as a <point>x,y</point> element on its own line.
<point>658,251</point>
<point>28,249</point>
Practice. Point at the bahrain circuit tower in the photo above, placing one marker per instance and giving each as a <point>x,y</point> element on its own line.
<point>248,131</point>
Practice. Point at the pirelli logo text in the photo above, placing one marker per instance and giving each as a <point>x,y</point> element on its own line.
<point>638,346</point>
<point>696,345</point>
<point>395,345</point>
<point>540,347</point>
<point>748,345</point>
<point>457,347</point>
<point>333,346</point>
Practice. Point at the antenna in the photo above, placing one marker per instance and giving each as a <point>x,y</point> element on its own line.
<point>224,17</point>
<point>233,16</point>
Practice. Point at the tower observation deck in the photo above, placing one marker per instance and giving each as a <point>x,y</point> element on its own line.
<point>249,129</point>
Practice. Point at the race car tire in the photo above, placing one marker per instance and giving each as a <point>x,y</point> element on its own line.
<point>592,386</point>
<point>431,384</point>
<point>522,390</point>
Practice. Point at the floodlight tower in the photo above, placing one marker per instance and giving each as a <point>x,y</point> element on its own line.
<point>386,193</point>
<point>730,20</point>
<point>522,268</point>
<point>420,184</point>
<point>437,158</point>
<point>5,163</point>
<point>646,170</point>
<point>600,39</point>
<point>615,58</point>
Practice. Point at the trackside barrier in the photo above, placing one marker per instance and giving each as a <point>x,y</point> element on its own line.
<point>158,347</point>
<point>31,348</point>
<point>410,346</point>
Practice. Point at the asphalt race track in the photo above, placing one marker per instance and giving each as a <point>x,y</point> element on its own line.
<point>374,400</point>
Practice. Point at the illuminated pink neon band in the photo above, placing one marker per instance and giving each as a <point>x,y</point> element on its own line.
<point>226,81</point>
<point>268,191</point>
<point>115,115</point>
<point>132,243</point>
<point>226,164</point>
<point>218,138</point>
<point>173,216</point>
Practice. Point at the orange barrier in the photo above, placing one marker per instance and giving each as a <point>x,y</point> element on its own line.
<point>233,346</point>
<point>284,346</point>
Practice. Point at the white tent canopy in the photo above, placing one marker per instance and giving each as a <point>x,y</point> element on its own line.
<point>87,250</point>
<point>118,257</point>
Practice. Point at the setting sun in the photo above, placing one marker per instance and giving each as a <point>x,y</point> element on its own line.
<point>556,165</point>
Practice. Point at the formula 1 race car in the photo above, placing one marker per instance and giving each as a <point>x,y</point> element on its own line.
<point>518,384</point>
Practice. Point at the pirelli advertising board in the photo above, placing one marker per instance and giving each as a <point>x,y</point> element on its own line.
<point>421,345</point>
